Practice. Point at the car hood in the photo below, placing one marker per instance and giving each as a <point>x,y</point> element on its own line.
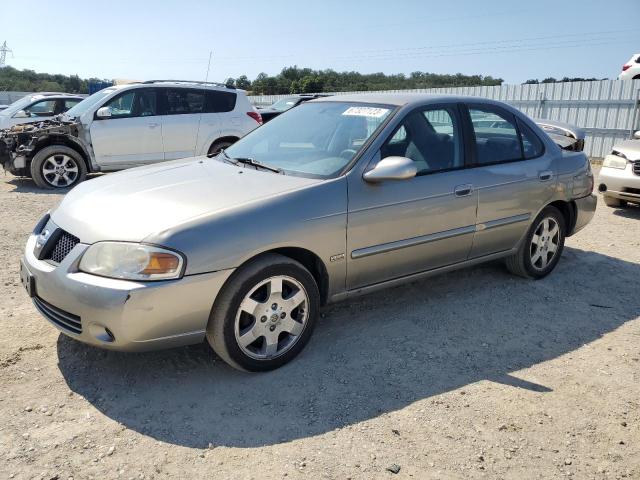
<point>133,204</point>
<point>629,148</point>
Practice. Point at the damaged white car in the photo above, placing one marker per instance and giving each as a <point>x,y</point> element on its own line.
<point>127,126</point>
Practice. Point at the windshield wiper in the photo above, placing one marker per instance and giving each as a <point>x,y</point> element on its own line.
<point>248,161</point>
<point>256,163</point>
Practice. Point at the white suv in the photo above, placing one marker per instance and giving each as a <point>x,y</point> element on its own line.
<point>126,126</point>
<point>37,106</point>
<point>631,69</point>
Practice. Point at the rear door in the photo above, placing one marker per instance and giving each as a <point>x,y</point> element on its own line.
<point>513,177</point>
<point>132,135</point>
<point>182,110</point>
<point>397,228</point>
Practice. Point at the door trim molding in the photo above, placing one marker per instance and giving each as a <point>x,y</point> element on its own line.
<point>501,222</point>
<point>411,242</point>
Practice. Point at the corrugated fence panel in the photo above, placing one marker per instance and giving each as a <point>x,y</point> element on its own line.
<point>607,109</point>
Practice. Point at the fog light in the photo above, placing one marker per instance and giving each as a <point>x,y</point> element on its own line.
<point>602,187</point>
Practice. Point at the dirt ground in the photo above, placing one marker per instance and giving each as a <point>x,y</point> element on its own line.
<point>473,374</point>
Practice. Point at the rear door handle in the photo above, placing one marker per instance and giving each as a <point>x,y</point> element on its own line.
<point>463,190</point>
<point>544,176</point>
<point>153,125</point>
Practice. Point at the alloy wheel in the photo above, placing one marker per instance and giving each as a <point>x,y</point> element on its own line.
<point>271,317</point>
<point>544,243</point>
<point>60,170</point>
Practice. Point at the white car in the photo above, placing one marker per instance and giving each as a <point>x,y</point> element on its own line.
<point>37,106</point>
<point>631,69</point>
<point>127,126</point>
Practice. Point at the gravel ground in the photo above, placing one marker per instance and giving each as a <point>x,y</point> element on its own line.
<point>473,374</point>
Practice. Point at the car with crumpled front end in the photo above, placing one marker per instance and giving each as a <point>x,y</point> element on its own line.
<point>334,198</point>
<point>619,177</point>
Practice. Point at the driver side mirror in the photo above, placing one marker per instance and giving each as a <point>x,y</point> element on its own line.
<point>103,112</point>
<point>391,168</point>
<point>21,114</point>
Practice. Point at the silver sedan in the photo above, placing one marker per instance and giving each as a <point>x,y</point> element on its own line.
<point>337,197</point>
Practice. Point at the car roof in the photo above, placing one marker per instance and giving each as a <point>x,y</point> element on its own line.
<point>402,99</point>
<point>55,94</point>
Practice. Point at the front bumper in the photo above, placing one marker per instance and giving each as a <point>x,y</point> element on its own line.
<point>120,314</point>
<point>619,183</point>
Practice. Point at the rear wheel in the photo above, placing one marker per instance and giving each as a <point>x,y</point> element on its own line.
<point>614,202</point>
<point>542,247</point>
<point>265,314</point>
<point>57,166</point>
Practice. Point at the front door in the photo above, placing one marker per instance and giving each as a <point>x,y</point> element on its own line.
<point>513,177</point>
<point>399,227</point>
<point>132,135</point>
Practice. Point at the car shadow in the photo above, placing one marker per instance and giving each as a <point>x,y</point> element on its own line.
<point>372,355</point>
<point>630,211</point>
<point>27,185</point>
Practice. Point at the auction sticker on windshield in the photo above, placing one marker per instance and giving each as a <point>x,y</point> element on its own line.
<point>366,112</point>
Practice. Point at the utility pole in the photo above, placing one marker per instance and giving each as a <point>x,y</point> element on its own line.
<point>3,53</point>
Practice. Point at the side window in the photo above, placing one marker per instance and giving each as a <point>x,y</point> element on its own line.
<point>70,103</point>
<point>43,108</point>
<point>134,103</point>
<point>496,134</point>
<point>531,143</point>
<point>431,138</point>
<point>218,102</point>
<point>182,101</point>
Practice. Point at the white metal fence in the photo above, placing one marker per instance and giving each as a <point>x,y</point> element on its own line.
<point>608,109</point>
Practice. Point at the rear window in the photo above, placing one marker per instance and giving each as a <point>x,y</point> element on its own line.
<point>217,101</point>
<point>182,101</point>
<point>496,135</point>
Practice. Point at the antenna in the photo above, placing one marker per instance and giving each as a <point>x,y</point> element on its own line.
<point>208,66</point>
<point>3,54</point>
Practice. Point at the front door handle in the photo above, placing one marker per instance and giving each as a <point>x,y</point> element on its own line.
<point>463,190</point>
<point>546,175</point>
<point>153,125</point>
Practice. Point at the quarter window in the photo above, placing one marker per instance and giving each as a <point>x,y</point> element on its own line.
<point>497,138</point>
<point>431,138</point>
<point>531,144</point>
<point>182,101</point>
<point>217,102</point>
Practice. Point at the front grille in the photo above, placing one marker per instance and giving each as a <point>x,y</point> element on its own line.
<point>65,320</point>
<point>636,167</point>
<point>64,244</point>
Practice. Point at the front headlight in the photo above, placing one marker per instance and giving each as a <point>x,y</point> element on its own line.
<point>614,161</point>
<point>131,261</point>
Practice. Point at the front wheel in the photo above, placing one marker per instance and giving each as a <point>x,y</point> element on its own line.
<point>542,247</point>
<point>265,314</point>
<point>57,167</point>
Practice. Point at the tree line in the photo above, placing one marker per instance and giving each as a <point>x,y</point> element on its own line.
<point>12,79</point>
<point>307,80</point>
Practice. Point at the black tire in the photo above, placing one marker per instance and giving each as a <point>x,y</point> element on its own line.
<point>521,262</point>
<point>58,154</point>
<point>221,327</point>
<point>614,202</point>
<point>216,147</point>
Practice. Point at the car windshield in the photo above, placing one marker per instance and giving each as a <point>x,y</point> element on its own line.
<point>18,105</point>
<point>316,139</point>
<point>88,102</point>
<point>284,104</point>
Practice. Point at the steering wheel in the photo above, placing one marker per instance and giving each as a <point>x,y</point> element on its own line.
<point>347,153</point>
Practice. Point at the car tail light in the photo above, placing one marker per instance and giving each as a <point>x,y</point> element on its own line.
<point>625,67</point>
<point>256,116</point>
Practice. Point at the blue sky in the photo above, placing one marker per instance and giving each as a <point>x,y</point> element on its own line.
<point>170,39</point>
